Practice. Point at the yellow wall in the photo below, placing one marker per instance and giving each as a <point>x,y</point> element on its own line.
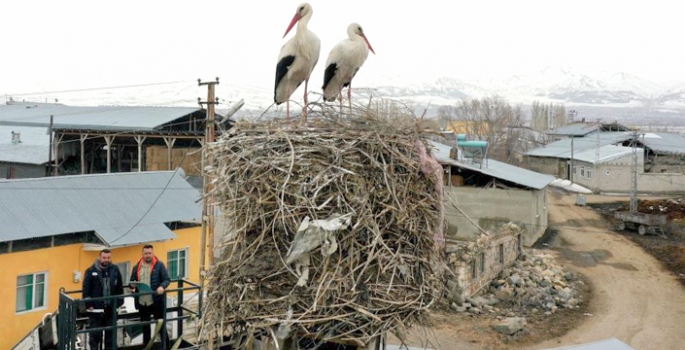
<point>469,127</point>
<point>60,263</point>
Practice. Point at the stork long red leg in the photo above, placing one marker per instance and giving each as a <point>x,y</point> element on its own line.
<point>304,111</point>
<point>287,107</point>
<point>349,96</point>
<point>340,96</point>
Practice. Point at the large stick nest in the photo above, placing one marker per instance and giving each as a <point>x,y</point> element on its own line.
<point>381,271</point>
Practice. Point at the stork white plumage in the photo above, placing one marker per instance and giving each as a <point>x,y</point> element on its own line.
<point>297,59</point>
<point>344,62</point>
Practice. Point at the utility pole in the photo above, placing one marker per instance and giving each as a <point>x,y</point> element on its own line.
<point>207,203</point>
<point>633,192</point>
<point>572,169</point>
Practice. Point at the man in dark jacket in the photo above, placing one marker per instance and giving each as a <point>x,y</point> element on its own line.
<point>151,271</point>
<point>101,280</point>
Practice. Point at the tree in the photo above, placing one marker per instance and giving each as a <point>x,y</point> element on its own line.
<point>490,119</point>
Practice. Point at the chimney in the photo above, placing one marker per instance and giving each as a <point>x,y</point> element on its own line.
<point>16,137</point>
<point>454,153</point>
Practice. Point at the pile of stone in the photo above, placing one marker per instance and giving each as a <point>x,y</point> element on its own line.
<point>535,283</point>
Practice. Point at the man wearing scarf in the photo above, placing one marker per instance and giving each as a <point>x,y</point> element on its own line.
<point>151,271</point>
<point>103,279</point>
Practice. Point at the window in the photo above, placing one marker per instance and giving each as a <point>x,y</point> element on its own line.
<point>589,174</point>
<point>582,171</point>
<point>178,263</point>
<point>31,292</point>
<point>501,253</point>
<point>482,263</point>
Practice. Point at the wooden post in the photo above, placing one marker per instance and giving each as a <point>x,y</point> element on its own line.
<point>51,146</point>
<point>58,139</point>
<point>207,207</point>
<point>83,152</point>
<point>169,144</point>
<point>140,140</point>
<point>109,140</point>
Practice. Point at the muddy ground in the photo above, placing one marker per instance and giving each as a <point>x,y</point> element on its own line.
<point>669,249</point>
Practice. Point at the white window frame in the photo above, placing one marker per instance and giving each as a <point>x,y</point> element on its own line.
<point>589,173</point>
<point>582,171</point>
<point>185,263</point>
<point>33,298</point>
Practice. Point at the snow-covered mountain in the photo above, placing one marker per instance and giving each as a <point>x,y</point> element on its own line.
<point>552,84</point>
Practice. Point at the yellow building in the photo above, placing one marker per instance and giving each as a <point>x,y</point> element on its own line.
<point>468,127</point>
<point>52,229</point>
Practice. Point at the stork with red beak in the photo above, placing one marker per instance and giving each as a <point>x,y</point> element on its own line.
<point>297,59</point>
<point>344,62</point>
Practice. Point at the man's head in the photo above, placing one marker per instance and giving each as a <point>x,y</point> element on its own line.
<point>147,253</point>
<point>105,257</point>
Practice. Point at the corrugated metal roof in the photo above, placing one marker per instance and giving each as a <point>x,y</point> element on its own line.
<point>496,169</point>
<point>606,153</point>
<point>109,204</point>
<point>606,344</point>
<point>91,117</point>
<point>562,148</point>
<point>33,149</point>
<point>664,142</point>
<point>658,142</point>
<point>577,129</point>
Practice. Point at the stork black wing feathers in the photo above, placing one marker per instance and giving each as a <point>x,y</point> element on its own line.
<point>281,70</point>
<point>328,75</point>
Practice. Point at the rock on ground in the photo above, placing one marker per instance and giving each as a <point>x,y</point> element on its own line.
<point>510,325</point>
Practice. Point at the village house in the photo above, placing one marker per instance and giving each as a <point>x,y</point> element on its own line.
<point>54,227</point>
<point>603,162</point>
<point>493,210</point>
<point>490,194</point>
<point>102,139</point>
<point>583,129</point>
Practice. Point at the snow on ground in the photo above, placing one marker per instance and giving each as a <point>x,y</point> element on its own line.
<point>571,187</point>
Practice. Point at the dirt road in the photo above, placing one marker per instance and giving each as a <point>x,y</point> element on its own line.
<point>635,299</point>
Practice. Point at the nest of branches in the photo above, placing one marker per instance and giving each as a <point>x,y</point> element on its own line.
<point>334,228</point>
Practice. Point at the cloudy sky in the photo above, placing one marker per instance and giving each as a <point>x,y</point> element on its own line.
<point>60,45</point>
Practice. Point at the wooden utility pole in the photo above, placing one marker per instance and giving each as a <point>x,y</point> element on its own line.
<point>207,203</point>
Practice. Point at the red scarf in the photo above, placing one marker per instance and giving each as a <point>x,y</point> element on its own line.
<point>152,268</point>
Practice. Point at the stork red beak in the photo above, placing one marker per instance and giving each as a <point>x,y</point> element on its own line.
<point>368,44</point>
<point>292,23</point>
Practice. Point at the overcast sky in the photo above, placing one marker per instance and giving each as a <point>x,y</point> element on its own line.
<point>57,45</point>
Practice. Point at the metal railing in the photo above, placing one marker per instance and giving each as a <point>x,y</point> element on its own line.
<point>68,316</point>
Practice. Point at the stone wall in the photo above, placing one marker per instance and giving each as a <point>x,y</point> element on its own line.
<point>475,264</point>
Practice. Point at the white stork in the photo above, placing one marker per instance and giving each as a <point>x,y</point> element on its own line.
<point>297,59</point>
<point>344,62</point>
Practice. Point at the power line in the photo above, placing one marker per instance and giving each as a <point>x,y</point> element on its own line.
<point>97,88</point>
<point>155,201</point>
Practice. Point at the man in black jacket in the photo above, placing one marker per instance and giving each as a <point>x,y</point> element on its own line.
<point>101,280</point>
<point>151,271</point>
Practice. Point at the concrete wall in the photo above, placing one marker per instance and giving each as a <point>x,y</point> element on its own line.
<point>22,171</point>
<point>615,177</point>
<point>476,264</point>
<point>546,165</point>
<point>491,208</point>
